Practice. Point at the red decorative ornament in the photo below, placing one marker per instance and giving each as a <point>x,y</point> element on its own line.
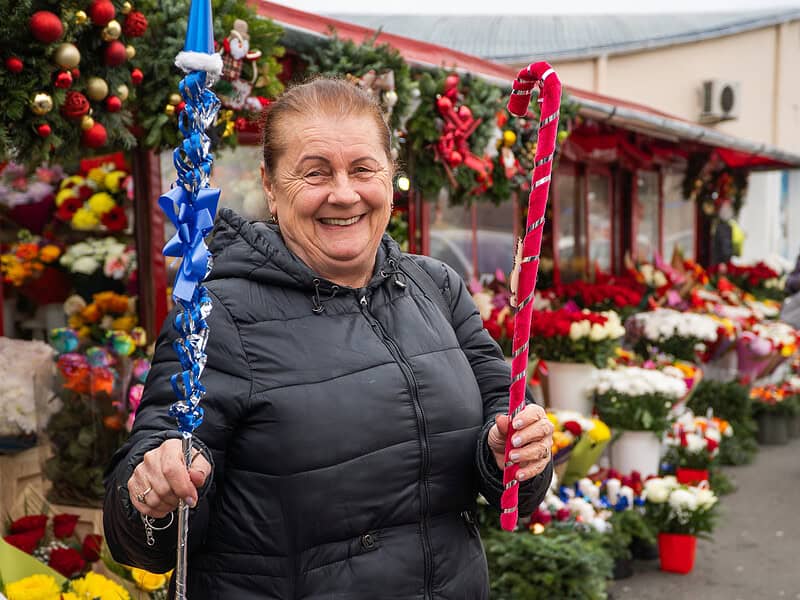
<point>75,106</point>
<point>63,80</point>
<point>76,73</point>
<point>137,76</point>
<point>101,12</point>
<point>113,104</point>
<point>46,26</point>
<point>114,54</point>
<point>44,130</point>
<point>95,137</point>
<point>179,107</point>
<point>14,65</point>
<point>135,25</point>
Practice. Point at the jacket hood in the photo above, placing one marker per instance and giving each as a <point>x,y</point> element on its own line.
<point>256,250</point>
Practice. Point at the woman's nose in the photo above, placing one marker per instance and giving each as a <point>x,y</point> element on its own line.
<point>343,191</point>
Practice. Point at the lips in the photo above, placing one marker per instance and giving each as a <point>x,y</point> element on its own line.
<point>341,222</point>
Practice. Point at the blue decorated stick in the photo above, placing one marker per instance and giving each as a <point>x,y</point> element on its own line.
<point>191,205</point>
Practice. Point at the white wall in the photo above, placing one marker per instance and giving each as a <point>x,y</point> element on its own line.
<point>760,217</point>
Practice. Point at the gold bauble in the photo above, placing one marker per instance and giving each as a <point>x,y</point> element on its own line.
<point>67,56</point>
<point>96,88</point>
<point>122,92</point>
<point>87,122</point>
<point>169,109</point>
<point>41,104</point>
<point>127,7</point>
<point>130,52</point>
<point>80,17</point>
<point>509,138</point>
<point>111,31</point>
<point>175,99</point>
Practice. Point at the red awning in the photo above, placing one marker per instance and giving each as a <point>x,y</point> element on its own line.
<point>633,116</point>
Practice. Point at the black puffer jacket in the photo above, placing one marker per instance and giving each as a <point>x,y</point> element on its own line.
<point>348,431</point>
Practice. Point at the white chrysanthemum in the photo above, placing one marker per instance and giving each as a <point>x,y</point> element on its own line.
<point>683,500</point>
<point>706,498</point>
<point>635,381</point>
<point>656,490</point>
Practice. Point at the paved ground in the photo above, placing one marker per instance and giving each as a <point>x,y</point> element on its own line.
<point>755,554</point>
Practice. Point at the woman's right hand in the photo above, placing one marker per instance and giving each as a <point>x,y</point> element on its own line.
<point>162,478</point>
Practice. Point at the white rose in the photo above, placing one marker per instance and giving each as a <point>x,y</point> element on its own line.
<point>656,491</point>
<point>86,265</point>
<point>695,443</point>
<point>484,303</point>
<point>682,499</point>
<point>706,498</point>
<point>659,279</point>
<point>597,333</point>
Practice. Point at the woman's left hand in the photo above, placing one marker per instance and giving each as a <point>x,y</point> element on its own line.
<point>532,441</point>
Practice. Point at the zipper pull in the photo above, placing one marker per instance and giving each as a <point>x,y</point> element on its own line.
<point>363,301</point>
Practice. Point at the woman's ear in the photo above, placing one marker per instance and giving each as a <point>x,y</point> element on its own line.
<point>266,182</point>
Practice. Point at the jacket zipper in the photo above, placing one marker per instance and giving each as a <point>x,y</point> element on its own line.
<point>411,380</point>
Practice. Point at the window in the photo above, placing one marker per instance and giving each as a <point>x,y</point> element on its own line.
<point>646,214</point>
<point>571,238</point>
<point>599,203</point>
<point>679,217</point>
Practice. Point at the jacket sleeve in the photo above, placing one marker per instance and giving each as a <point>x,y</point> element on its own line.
<point>493,375</point>
<point>792,285</point>
<point>228,383</point>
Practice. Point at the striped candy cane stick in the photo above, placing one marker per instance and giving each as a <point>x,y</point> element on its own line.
<point>542,75</point>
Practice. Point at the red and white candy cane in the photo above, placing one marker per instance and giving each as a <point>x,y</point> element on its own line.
<point>539,74</point>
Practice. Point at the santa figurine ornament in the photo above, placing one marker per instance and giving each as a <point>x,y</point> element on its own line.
<point>235,52</point>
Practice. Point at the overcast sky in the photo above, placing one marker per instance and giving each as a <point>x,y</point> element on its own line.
<point>531,6</point>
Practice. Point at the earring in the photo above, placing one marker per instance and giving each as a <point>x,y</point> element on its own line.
<point>273,217</point>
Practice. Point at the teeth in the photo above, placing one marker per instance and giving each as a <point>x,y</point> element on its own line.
<point>341,222</point>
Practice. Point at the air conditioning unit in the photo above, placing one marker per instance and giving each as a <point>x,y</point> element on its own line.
<point>720,101</point>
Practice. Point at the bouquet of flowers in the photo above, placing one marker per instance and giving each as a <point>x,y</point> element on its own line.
<point>96,198</point>
<point>694,441</point>
<point>636,399</point>
<point>759,279</point>
<point>764,347</point>
<point>574,335</point>
<point>779,399</point>
<point>578,442</point>
<point>55,543</point>
<point>31,266</point>
<point>683,335</point>
<point>675,508</point>
<point>29,198</point>
<point>599,297</point>
<point>92,586</point>
<point>98,265</point>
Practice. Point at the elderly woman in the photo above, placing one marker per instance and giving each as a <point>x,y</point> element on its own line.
<point>355,402</point>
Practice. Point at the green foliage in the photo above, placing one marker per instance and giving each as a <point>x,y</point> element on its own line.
<point>720,482</point>
<point>625,526</point>
<point>82,445</point>
<point>647,412</point>
<point>559,563</point>
<point>583,350</point>
<point>665,519</point>
<point>680,347</point>
<point>165,38</point>
<point>18,124</point>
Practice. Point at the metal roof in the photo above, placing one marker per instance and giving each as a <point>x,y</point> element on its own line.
<point>513,39</point>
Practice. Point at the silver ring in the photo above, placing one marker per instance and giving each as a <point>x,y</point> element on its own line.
<point>140,497</point>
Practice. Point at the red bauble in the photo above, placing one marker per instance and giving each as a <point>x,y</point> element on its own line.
<point>75,106</point>
<point>44,130</point>
<point>455,158</point>
<point>113,104</point>
<point>179,107</point>
<point>95,137</point>
<point>137,76</point>
<point>76,73</point>
<point>46,26</point>
<point>135,25</point>
<point>14,65</point>
<point>443,103</point>
<point>101,12</point>
<point>451,81</point>
<point>114,54</point>
<point>63,80</point>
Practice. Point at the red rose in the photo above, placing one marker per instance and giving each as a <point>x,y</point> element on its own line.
<point>66,561</point>
<point>135,25</point>
<point>29,523</point>
<point>562,514</point>
<point>75,106</point>
<point>573,427</point>
<point>27,542</point>
<point>64,525</point>
<point>90,550</point>
<point>493,328</point>
<point>711,444</point>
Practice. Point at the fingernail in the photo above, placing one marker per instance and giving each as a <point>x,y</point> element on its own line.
<point>189,501</point>
<point>516,441</point>
<point>521,475</point>
<point>514,456</point>
<point>518,424</point>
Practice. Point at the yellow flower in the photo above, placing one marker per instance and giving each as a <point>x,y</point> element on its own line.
<point>64,194</point>
<point>553,419</point>
<point>95,586</point>
<point>101,202</point>
<point>600,432</point>
<point>35,587</point>
<point>98,175</point>
<point>72,181</point>
<point>49,253</point>
<point>69,596</point>
<point>112,180</point>
<point>147,581</point>
<point>125,323</point>
<point>84,220</point>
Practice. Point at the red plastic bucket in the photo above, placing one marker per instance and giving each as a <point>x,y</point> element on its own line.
<point>676,552</point>
<point>691,476</point>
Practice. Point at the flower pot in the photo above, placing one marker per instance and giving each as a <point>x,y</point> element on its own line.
<point>691,476</point>
<point>568,386</point>
<point>642,550</point>
<point>793,426</point>
<point>52,287</point>
<point>623,568</point>
<point>636,451</point>
<point>676,552</point>
<point>34,216</point>
<point>773,429</point>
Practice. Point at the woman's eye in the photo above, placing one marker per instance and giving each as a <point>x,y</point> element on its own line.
<point>314,175</point>
<point>363,171</point>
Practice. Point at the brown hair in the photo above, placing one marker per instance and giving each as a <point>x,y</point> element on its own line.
<point>327,95</point>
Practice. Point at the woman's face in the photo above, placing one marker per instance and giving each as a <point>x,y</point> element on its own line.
<point>331,192</point>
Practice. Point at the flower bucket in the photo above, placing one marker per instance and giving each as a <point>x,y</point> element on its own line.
<point>754,356</point>
<point>794,426</point>
<point>691,476</point>
<point>676,552</point>
<point>568,386</point>
<point>34,216</point>
<point>773,429</point>
<point>52,287</point>
<point>636,451</point>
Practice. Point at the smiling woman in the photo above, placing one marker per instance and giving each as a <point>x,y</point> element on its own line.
<point>355,404</point>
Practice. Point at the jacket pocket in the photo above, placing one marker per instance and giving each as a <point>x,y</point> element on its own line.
<point>328,554</point>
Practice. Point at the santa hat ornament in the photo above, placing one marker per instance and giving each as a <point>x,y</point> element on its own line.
<point>198,51</point>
